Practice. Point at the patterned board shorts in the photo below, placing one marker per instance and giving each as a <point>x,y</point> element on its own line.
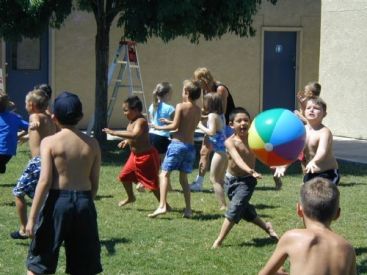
<point>180,156</point>
<point>26,184</point>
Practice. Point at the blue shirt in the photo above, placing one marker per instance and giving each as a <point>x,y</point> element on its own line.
<point>163,110</point>
<point>10,123</point>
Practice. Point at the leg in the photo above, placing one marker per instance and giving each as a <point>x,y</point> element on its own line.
<point>22,212</point>
<point>278,182</point>
<point>130,194</point>
<point>187,195</point>
<point>266,226</point>
<point>164,182</point>
<point>226,227</point>
<point>203,164</point>
<point>217,169</point>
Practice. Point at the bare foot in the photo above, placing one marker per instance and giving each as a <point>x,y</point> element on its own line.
<point>271,232</point>
<point>140,187</point>
<point>126,201</point>
<point>187,214</point>
<point>223,208</point>
<point>216,244</point>
<point>158,211</point>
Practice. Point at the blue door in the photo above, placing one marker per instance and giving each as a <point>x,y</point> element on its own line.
<point>27,66</point>
<point>279,77</point>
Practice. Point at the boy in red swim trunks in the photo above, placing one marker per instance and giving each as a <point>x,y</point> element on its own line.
<point>143,163</point>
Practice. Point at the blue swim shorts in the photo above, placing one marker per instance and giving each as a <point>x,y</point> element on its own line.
<point>180,156</point>
<point>26,184</point>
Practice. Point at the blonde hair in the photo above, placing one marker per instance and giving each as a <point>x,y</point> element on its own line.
<point>213,103</point>
<point>204,76</point>
<point>39,98</point>
<point>160,91</point>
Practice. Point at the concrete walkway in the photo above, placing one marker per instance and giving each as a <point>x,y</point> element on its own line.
<point>350,149</point>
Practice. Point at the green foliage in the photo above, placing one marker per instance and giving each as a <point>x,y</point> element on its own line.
<point>134,244</point>
<point>31,18</point>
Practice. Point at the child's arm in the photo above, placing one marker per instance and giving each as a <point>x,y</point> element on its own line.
<point>276,261</point>
<point>136,131</point>
<point>232,150</point>
<point>43,185</point>
<point>176,121</point>
<point>94,173</point>
<point>212,127</point>
<point>325,142</point>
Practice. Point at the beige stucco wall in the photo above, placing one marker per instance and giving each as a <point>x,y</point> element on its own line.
<point>343,66</point>
<point>233,60</point>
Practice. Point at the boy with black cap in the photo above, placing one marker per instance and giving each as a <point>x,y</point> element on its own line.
<point>67,186</point>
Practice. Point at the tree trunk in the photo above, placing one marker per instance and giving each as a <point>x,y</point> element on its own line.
<point>101,92</point>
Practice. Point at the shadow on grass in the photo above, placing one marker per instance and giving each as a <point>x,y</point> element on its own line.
<point>100,197</point>
<point>12,203</point>
<point>350,184</point>
<point>265,206</point>
<point>362,268</point>
<point>111,243</point>
<point>259,242</point>
<point>206,217</point>
<point>266,188</point>
<point>7,185</point>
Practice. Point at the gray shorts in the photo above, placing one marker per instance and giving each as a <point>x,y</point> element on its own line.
<point>239,191</point>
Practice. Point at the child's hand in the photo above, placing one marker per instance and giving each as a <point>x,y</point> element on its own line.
<point>29,230</point>
<point>165,120</point>
<point>279,171</point>
<point>311,167</point>
<point>107,131</point>
<point>34,125</point>
<point>122,144</point>
<point>256,175</point>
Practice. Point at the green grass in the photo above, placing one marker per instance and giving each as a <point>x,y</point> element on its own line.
<point>135,244</point>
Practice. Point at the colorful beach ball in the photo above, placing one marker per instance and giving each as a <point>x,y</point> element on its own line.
<point>277,136</point>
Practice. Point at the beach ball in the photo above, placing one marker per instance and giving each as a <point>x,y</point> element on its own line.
<point>277,136</point>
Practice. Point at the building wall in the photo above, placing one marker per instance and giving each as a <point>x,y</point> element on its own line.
<point>343,67</point>
<point>232,60</point>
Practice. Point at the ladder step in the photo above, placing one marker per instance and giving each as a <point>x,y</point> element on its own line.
<point>138,92</point>
<point>132,66</point>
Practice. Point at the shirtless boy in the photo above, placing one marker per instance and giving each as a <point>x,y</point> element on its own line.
<point>67,186</point>
<point>318,150</point>
<point>241,178</point>
<point>40,126</point>
<point>181,152</point>
<point>316,249</point>
<point>143,163</point>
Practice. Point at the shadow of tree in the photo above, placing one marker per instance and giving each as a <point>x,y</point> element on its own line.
<point>349,184</point>
<point>100,197</point>
<point>265,206</point>
<point>6,185</point>
<point>111,243</point>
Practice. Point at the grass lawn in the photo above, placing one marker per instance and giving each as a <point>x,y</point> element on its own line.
<point>135,244</point>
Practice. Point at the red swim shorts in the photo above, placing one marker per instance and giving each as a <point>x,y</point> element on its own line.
<point>143,168</point>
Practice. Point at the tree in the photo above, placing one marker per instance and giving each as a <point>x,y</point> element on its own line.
<point>139,20</point>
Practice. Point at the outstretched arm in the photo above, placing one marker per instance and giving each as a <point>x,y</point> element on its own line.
<point>325,143</point>
<point>130,134</point>
<point>174,124</point>
<point>232,150</point>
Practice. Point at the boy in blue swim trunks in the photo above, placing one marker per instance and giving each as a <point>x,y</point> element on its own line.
<point>40,126</point>
<point>63,210</point>
<point>241,178</point>
<point>181,152</point>
<point>318,151</point>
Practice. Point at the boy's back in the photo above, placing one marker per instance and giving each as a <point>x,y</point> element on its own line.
<point>189,117</point>
<point>46,128</point>
<point>75,157</point>
<point>318,251</point>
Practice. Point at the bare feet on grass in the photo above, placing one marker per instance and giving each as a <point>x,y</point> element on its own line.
<point>271,232</point>
<point>126,201</point>
<point>158,211</point>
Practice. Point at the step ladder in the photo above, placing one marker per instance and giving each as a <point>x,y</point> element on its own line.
<point>126,61</point>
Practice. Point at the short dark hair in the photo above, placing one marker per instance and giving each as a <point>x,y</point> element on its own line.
<point>134,103</point>
<point>238,110</point>
<point>320,199</point>
<point>68,108</point>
